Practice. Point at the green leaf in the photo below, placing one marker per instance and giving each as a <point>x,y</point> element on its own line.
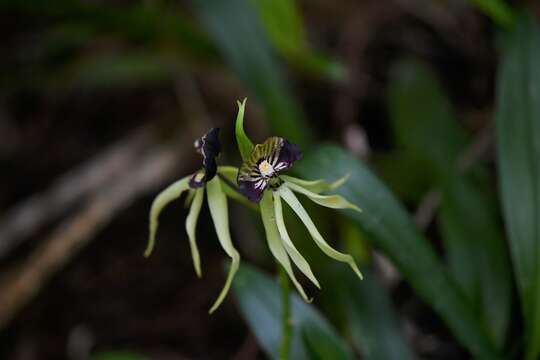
<point>518,134</point>
<point>245,146</point>
<point>477,253</point>
<point>171,193</point>
<point>430,135</point>
<point>475,250</point>
<point>285,28</point>
<point>217,202</point>
<point>390,229</point>
<point>498,10</point>
<point>237,32</point>
<point>371,318</point>
<point>260,303</point>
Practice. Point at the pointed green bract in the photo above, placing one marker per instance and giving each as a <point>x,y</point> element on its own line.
<point>172,192</point>
<point>294,254</point>
<point>245,146</point>
<point>293,202</point>
<point>274,241</point>
<point>191,225</point>
<point>217,202</point>
<point>330,201</point>
<point>316,186</point>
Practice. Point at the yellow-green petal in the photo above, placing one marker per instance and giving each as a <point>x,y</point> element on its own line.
<point>172,192</point>
<point>217,202</point>
<point>274,240</point>
<point>189,198</point>
<point>191,225</point>
<point>294,254</point>
<point>297,207</point>
<point>316,186</point>
<point>330,201</point>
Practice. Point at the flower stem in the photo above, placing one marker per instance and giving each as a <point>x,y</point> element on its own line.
<point>286,315</point>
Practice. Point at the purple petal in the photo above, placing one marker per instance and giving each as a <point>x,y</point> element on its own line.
<point>249,190</point>
<point>289,154</point>
<point>209,147</point>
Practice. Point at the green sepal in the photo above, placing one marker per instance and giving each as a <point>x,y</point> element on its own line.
<point>245,145</point>
<point>330,201</point>
<point>191,225</point>
<point>172,192</point>
<point>275,243</point>
<point>217,202</point>
<point>317,186</point>
<point>297,207</point>
<point>294,254</point>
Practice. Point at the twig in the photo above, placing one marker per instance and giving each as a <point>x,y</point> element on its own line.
<point>29,216</point>
<point>23,283</point>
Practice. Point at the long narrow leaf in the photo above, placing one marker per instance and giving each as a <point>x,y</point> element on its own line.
<point>259,300</point>
<point>475,248</point>
<point>237,32</point>
<point>518,135</point>
<point>390,229</point>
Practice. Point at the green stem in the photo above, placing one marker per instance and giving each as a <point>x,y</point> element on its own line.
<point>286,315</point>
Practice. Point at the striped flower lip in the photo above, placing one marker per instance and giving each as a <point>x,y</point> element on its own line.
<point>209,147</point>
<point>266,162</point>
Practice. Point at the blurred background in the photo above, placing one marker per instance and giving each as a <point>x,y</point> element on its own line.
<point>431,106</point>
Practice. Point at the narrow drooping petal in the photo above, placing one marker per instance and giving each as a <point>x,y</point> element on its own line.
<point>189,197</point>
<point>191,225</point>
<point>330,201</point>
<point>265,162</point>
<point>274,241</point>
<point>172,192</point>
<point>316,186</point>
<point>209,147</point>
<point>294,254</point>
<point>293,202</point>
<point>217,202</point>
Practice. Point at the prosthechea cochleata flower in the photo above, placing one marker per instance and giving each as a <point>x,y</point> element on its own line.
<point>261,180</point>
<point>196,184</point>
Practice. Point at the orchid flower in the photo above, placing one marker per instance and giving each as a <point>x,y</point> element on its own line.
<point>261,186</point>
<point>261,180</point>
<point>208,146</point>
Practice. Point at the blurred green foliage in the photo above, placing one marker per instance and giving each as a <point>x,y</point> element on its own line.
<point>518,131</point>
<point>260,303</point>
<point>470,287</point>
